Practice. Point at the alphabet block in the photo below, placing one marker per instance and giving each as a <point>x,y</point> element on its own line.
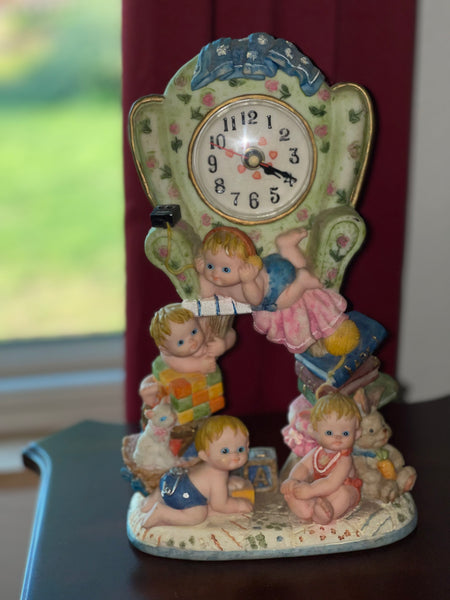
<point>262,469</point>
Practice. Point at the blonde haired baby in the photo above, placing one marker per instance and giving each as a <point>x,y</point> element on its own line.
<point>183,342</point>
<point>228,265</point>
<point>187,496</point>
<point>290,305</point>
<point>323,486</point>
<point>185,346</point>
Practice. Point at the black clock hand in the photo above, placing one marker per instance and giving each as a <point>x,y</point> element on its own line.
<point>268,169</point>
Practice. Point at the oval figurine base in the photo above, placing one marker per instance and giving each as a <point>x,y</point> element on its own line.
<point>272,531</point>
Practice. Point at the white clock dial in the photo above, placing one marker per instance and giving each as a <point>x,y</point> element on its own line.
<point>252,159</point>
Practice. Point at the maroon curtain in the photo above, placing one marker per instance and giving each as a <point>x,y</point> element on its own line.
<point>370,43</point>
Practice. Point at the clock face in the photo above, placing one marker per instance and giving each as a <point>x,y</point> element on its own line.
<point>252,159</point>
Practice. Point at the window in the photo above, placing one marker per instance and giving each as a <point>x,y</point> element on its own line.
<point>61,225</point>
<point>62,194</point>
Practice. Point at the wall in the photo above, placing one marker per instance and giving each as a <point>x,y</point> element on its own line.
<point>423,359</point>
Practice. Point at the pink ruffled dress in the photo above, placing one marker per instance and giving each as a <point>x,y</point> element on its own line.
<point>315,315</point>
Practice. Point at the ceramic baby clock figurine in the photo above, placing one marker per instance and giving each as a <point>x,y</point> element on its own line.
<point>186,497</point>
<point>323,486</point>
<point>254,165</point>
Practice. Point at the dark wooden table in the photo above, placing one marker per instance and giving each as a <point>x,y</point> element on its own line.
<point>80,550</point>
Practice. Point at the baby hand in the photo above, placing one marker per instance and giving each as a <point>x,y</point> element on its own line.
<point>150,391</point>
<point>235,483</point>
<point>298,489</point>
<point>216,347</point>
<point>287,486</point>
<point>244,505</point>
<point>208,364</point>
<point>199,264</point>
<point>248,272</point>
<point>302,491</point>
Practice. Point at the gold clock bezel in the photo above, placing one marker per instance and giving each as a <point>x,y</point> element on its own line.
<point>210,115</point>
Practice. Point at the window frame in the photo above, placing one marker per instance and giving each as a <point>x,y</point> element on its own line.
<point>50,384</point>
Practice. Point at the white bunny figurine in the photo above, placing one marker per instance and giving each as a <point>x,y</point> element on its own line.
<point>380,466</point>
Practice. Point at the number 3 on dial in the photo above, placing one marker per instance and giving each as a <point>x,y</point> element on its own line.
<point>252,159</point>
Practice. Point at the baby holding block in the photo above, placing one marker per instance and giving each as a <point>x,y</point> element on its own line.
<point>186,345</point>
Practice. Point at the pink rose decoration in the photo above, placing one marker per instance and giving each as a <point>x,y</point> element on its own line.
<point>342,241</point>
<point>321,131</point>
<point>163,252</point>
<point>174,128</point>
<point>332,274</point>
<point>354,150</point>
<point>271,85</point>
<point>180,81</point>
<point>324,95</point>
<point>206,220</point>
<point>173,191</point>
<point>208,99</point>
<point>330,189</point>
<point>181,277</point>
<point>152,161</point>
<point>255,236</point>
<point>302,214</point>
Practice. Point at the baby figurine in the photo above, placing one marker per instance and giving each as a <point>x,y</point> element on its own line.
<point>187,496</point>
<point>182,342</point>
<point>184,346</point>
<point>323,487</point>
<point>290,305</point>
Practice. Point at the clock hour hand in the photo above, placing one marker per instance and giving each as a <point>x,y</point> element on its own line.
<point>270,170</point>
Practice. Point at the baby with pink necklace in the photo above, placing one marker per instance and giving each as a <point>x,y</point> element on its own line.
<point>323,486</point>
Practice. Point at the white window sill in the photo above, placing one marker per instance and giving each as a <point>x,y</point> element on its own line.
<point>47,385</point>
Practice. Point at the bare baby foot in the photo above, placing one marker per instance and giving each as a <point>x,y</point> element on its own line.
<point>323,511</point>
<point>150,519</point>
<point>290,238</point>
<point>288,246</point>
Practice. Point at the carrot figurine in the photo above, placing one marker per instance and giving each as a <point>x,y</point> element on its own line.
<point>385,465</point>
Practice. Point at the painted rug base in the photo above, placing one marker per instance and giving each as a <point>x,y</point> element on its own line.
<point>272,531</point>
